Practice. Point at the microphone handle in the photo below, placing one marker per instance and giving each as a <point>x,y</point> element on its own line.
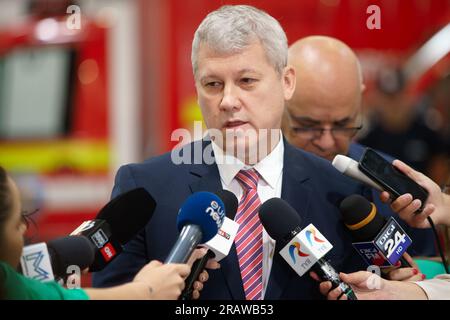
<point>327,273</point>
<point>197,268</point>
<point>189,238</point>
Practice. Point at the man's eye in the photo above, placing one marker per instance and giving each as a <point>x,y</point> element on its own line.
<point>213,84</point>
<point>248,80</point>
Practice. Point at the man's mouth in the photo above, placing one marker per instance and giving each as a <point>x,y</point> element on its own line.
<point>234,124</point>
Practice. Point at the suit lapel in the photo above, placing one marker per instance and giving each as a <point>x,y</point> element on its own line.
<point>295,174</point>
<point>209,180</point>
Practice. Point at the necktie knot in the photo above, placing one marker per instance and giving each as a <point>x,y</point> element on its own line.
<point>248,179</point>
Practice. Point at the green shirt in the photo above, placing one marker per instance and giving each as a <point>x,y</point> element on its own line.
<point>17,287</point>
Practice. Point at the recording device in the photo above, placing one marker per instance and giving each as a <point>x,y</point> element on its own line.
<point>390,178</point>
<point>301,249</point>
<point>379,242</point>
<point>199,219</point>
<point>116,224</point>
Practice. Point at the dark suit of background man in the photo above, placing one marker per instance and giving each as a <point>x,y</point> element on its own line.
<point>239,59</point>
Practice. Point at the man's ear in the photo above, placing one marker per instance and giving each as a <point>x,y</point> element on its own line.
<point>289,81</point>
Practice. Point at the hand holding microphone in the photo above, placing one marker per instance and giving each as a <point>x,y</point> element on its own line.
<point>163,281</point>
<point>199,219</point>
<point>218,247</point>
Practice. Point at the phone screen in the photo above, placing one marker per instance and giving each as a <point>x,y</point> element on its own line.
<point>395,182</point>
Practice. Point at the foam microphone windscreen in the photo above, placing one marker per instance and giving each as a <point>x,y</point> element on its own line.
<point>128,213</point>
<point>361,217</point>
<point>205,210</point>
<point>280,220</point>
<point>230,201</point>
<point>69,251</point>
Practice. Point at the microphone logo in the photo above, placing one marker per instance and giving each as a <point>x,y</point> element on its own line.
<point>295,247</point>
<point>311,235</point>
<point>37,257</point>
<point>224,234</point>
<point>216,212</point>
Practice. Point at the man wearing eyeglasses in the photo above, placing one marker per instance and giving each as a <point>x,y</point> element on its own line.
<point>324,113</point>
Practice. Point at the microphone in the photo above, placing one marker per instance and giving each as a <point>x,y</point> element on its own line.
<point>302,249</point>
<point>112,228</point>
<point>350,168</point>
<point>49,261</point>
<point>199,219</point>
<point>219,246</point>
<point>380,242</point>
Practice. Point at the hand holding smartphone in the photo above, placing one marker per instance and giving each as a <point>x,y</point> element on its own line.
<point>390,178</point>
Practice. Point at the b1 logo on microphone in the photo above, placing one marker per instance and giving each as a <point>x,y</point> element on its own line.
<point>86,225</point>
<point>99,238</point>
<point>392,241</point>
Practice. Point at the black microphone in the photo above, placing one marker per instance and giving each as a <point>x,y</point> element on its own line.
<point>70,251</point>
<point>231,204</point>
<point>199,219</point>
<point>116,224</point>
<point>380,242</point>
<point>302,249</point>
<point>51,260</point>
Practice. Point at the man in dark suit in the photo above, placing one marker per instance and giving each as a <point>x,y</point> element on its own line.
<point>239,58</point>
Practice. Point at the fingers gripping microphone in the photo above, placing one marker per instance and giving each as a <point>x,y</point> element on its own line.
<point>50,261</point>
<point>380,242</point>
<point>302,249</point>
<point>116,224</point>
<point>219,246</point>
<point>199,219</point>
<point>349,167</point>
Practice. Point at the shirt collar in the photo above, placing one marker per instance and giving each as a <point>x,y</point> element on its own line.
<point>268,168</point>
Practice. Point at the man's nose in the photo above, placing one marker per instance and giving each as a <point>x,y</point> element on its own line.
<point>325,141</point>
<point>230,100</point>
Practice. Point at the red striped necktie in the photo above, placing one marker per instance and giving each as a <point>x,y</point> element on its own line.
<point>248,240</point>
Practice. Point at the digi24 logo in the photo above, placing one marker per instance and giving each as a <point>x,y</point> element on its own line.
<point>393,241</point>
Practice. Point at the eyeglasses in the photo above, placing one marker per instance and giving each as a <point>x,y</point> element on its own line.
<point>312,133</point>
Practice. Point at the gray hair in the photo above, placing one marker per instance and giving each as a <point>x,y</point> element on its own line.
<point>230,29</point>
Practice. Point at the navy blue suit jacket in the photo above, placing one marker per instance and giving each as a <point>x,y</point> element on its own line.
<point>310,184</point>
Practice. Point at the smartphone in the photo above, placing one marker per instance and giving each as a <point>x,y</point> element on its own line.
<point>390,178</point>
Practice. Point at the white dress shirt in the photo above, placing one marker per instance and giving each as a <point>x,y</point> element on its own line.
<point>270,170</point>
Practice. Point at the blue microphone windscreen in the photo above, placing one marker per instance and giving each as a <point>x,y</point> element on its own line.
<point>205,210</point>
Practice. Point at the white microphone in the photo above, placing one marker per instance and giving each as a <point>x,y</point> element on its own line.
<point>223,240</point>
<point>306,249</point>
<point>35,262</point>
<point>349,167</point>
